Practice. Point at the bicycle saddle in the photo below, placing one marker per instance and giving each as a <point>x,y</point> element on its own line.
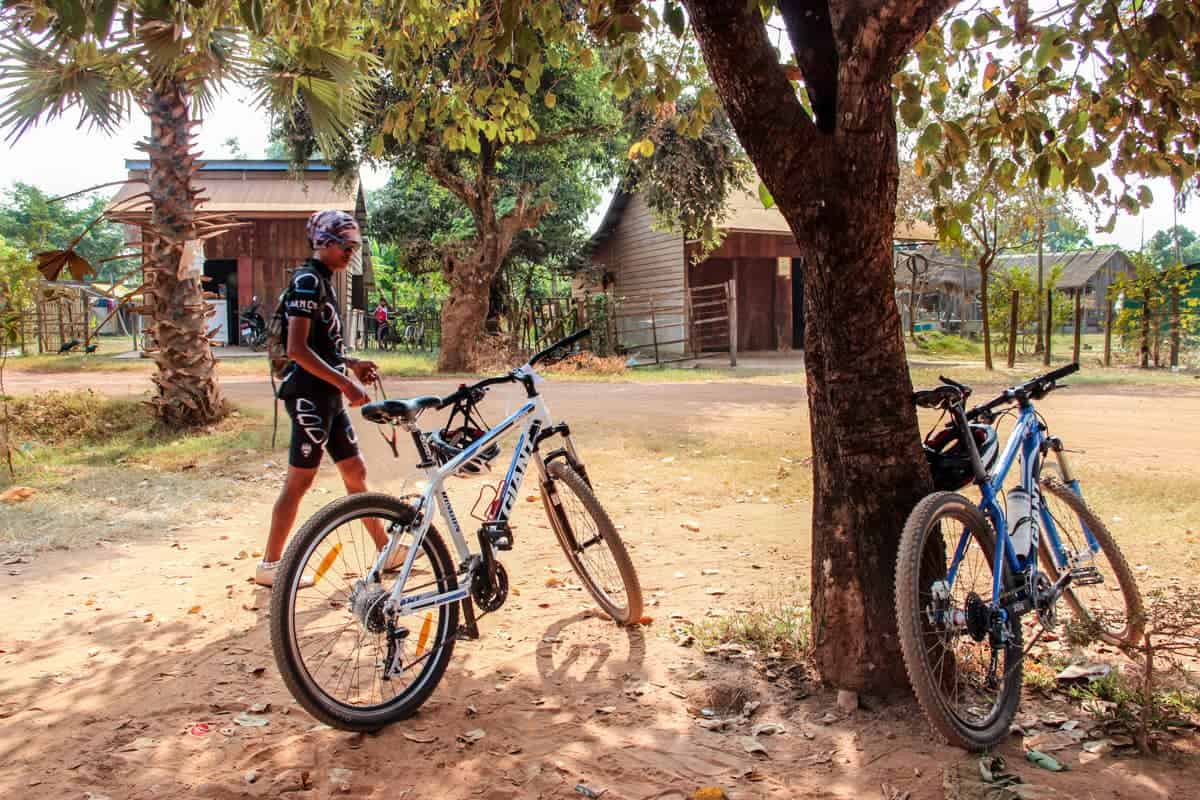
<point>406,410</point>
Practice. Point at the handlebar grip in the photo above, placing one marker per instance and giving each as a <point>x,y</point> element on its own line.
<point>1061,372</point>
<point>565,342</point>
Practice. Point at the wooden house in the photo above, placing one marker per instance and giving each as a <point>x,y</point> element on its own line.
<point>759,255</point>
<point>253,262</point>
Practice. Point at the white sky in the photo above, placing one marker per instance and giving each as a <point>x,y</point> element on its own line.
<point>61,158</point>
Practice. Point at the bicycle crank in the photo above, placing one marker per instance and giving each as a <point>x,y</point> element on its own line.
<point>489,595</point>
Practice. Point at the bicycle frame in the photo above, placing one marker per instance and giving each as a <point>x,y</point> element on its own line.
<point>1028,440</point>
<point>533,418</point>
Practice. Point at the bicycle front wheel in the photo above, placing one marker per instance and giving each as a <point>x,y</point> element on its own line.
<point>343,657</point>
<point>965,667</point>
<point>1103,596</point>
<point>591,543</point>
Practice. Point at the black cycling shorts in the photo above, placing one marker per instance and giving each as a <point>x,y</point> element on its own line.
<point>319,424</point>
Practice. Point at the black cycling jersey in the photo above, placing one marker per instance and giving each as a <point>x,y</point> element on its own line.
<point>310,295</point>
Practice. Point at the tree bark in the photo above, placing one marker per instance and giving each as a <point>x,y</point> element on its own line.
<point>186,390</point>
<point>835,182</point>
<point>469,275</point>
<point>984,266</point>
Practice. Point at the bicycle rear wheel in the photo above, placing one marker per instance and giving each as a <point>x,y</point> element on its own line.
<point>967,684</point>
<point>591,543</point>
<point>331,638</point>
<point>1106,602</point>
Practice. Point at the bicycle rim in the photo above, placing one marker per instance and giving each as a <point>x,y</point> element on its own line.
<point>339,658</point>
<point>585,536</point>
<point>968,688</point>
<point>1105,609</point>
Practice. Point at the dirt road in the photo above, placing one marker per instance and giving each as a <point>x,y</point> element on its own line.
<point>124,664</point>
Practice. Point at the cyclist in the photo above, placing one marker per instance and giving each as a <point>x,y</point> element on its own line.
<point>381,315</point>
<point>319,375</point>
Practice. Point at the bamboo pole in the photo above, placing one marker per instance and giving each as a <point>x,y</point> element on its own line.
<point>1012,328</point>
<point>654,329</point>
<point>731,298</point>
<point>1078,323</point>
<point>1049,325</point>
<point>1108,326</point>
<point>1174,326</point>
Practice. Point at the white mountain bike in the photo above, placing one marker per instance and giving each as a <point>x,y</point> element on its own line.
<point>361,647</point>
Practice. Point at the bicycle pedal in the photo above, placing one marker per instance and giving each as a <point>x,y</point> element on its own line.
<point>1086,576</point>
<point>467,633</point>
<point>500,535</point>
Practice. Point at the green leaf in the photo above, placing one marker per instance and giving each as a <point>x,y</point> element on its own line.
<point>71,16</point>
<point>1086,178</point>
<point>960,34</point>
<point>1045,49</point>
<point>984,25</point>
<point>931,137</point>
<point>673,16</point>
<point>956,134</point>
<point>102,18</point>
<point>1145,196</point>
<point>764,195</point>
<point>911,113</point>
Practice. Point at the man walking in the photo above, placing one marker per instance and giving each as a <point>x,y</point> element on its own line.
<point>319,376</point>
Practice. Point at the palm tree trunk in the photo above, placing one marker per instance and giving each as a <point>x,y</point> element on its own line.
<point>187,394</point>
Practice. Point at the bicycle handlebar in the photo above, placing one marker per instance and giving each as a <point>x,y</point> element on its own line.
<point>1036,388</point>
<point>564,342</point>
<point>464,392</point>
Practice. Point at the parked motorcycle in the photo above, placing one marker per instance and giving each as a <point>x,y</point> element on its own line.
<point>252,327</point>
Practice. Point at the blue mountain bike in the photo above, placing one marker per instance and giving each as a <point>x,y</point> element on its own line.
<point>966,573</point>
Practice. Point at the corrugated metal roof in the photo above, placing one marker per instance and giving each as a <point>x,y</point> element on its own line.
<point>1077,267</point>
<point>747,215</point>
<point>230,193</point>
<point>239,165</point>
<point>939,268</point>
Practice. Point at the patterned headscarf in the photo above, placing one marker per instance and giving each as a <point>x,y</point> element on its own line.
<point>327,226</point>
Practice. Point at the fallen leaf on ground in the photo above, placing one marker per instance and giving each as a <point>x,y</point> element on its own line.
<point>587,791</point>
<point>250,721</point>
<point>1050,742</point>
<point>472,736</point>
<point>1044,761</point>
<point>768,729</point>
<point>414,737</point>
<point>752,746</point>
<point>17,494</point>
<point>711,792</point>
<point>194,610</point>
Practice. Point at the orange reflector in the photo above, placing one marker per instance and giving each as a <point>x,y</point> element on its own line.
<point>424,636</point>
<point>327,562</point>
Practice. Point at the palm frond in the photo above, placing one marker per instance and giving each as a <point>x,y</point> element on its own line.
<point>45,82</point>
<point>331,83</point>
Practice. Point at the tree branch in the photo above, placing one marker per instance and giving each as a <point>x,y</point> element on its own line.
<point>444,173</point>
<point>810,30</point>
<point>881,33</point>
<point>743,63</point>
<point>566,133</point>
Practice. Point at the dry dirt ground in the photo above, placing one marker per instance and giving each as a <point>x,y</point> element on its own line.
<point>113,652</point>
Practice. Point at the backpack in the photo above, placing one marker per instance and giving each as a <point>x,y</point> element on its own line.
<point>277,328</point>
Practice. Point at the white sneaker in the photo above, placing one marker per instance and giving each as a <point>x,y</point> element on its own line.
<point>267,570</point>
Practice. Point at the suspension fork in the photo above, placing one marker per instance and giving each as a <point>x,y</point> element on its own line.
<point>567,451</point>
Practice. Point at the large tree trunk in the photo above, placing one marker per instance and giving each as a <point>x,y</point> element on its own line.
<point>835,181</point>
<point>186,393</point>
<point>470,276</point>
<point>464,310</point>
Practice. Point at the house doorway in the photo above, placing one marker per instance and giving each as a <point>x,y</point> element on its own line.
<point>797,304</point>
<point>222,281</point>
